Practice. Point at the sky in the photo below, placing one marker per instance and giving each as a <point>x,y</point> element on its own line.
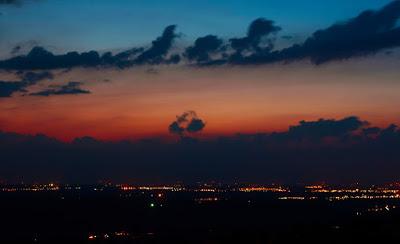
<point>137,103</point>
<point>107,25</point>
<point>202,70</point>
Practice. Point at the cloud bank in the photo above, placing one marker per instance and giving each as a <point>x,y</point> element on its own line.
<point>366,34</point>
<point>337,151</point>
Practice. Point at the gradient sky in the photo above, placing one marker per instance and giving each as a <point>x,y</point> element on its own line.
<point>102,24</point>
<point>142,101</point>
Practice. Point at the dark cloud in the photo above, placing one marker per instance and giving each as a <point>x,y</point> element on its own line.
<point>159,48</point>
<point>366,34</point>
<point>188,122</point>
<point>173,59</point>
<point>392,131</point>
<point>195,125</point>
<point>8,88</point>
<point>33,77</point>
<point>258,30</point>
<point>175,128</point>
<point>128,53</point>
<point>371,131</point>
<point>326,128</point>
<point>203,47</point>
<point>71,88</point>
<point>123,59</point>
<point>40,58</point>
<point>262,157</point>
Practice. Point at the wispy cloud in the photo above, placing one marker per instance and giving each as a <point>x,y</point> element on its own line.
<point>71,88</point>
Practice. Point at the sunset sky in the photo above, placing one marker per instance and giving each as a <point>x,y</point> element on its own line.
<point>142,100</point>
<point>166,91</point>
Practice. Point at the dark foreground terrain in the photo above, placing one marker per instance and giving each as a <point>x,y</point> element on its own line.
<point>114,216</point>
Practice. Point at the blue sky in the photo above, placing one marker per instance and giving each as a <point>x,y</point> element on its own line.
<point>105,24</point>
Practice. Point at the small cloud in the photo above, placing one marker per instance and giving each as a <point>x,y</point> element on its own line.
<point>71,88</point>
<point>186,123</point>
<point>8,88</point>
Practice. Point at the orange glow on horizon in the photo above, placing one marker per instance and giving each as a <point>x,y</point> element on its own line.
<point>110,132</point>
<point>136,104</point>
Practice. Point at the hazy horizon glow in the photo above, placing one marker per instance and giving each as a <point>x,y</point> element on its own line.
<point>138,103</point>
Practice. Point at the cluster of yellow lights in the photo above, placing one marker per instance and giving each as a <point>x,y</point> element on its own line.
<point>206,190</point>
<point>128,188</point>
<point>263,189</point>
<point>363,196</point>
<point>93,237</point>
<point>121,233</point>
<point>33,188</point>
<point>311,187</point>
<point>151,188</point>
<point>293,198</point>
<point>379,190</point>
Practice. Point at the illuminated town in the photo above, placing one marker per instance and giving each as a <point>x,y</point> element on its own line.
<point>148,201</point>
<point>309,192</point>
